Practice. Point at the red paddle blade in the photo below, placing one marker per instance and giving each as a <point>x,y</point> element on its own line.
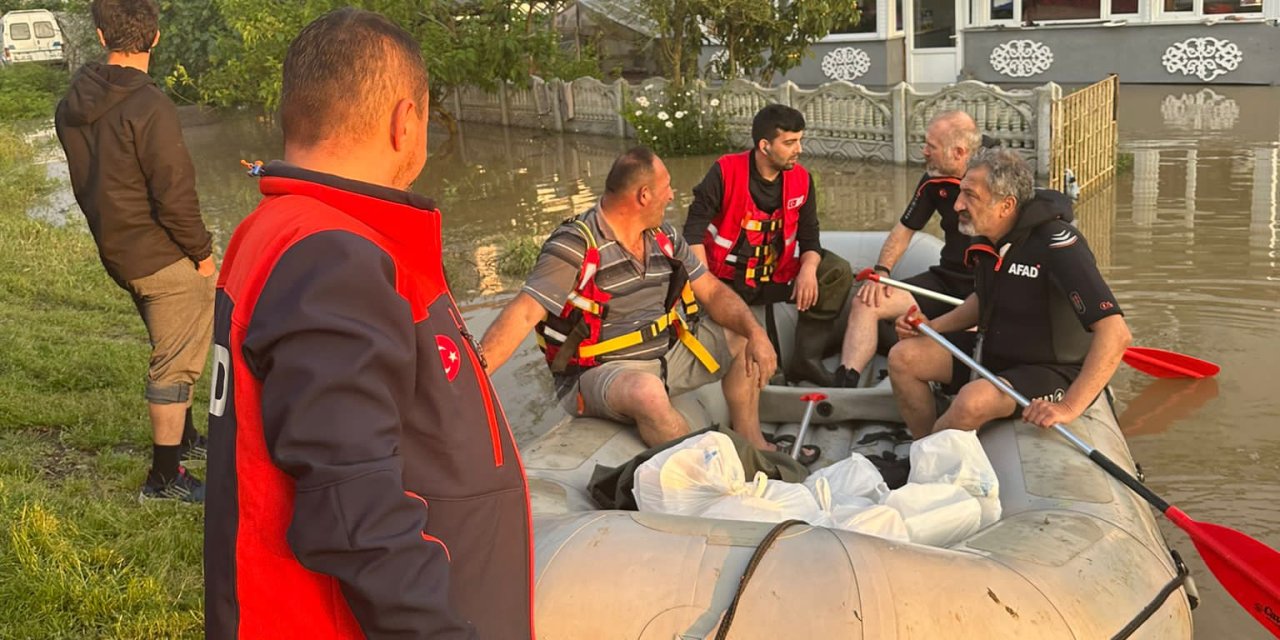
<point>1168,364</point>
<point>1247,569</point>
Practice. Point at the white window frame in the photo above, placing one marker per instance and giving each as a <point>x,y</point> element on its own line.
<point>885,14</point>
<point>1149,11</point>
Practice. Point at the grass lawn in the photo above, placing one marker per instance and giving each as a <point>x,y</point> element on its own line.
<point>79,556</point>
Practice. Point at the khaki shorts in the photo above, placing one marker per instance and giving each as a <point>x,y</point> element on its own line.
<point>684,373</point>
<point>176,304</point>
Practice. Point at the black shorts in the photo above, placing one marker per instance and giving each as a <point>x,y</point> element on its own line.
<point>1045,381</point>
<point>956,285</point>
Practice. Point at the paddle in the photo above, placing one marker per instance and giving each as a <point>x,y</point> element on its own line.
<point>1248,569</point>
<point>1154,362</point>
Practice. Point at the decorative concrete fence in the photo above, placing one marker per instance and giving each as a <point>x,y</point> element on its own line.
<point>844,120</point>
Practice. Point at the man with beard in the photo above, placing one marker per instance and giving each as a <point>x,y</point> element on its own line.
<point>1047,322</point>
<point>363,480</point>
<point>754,223</point>
<point>949,141</point>
<point>615,297</point>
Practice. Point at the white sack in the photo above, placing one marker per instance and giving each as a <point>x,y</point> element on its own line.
<point>956,457</point>
<point>937,515</point>
<point>687,478</point>
<point>853,477</point>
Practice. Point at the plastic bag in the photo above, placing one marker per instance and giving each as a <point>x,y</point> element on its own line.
<point>853,477</point>
<point>937,515</point>
<point>687,478</point>
<point>858,514</point>
<point>765,500</point>
<point>956,457</point>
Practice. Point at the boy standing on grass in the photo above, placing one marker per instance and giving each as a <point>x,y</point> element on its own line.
<point>135,183</point>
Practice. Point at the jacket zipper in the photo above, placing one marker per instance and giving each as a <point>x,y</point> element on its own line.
<point>482,379</point>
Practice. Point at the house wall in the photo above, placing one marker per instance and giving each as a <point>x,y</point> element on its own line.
<point>1221,53</point>
<point>872,63</point>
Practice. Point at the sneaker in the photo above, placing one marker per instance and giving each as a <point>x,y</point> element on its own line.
<point>183,487</point>
<point>846,378</point>
<point>194,450</point>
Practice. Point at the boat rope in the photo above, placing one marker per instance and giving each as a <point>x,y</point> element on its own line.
<point>1179,580</point>
<point>756,557</point>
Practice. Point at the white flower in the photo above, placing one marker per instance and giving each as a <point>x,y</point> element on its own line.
<point>639,112</point>
<point>679,114</point>
<point>670,124</point>
<point>662,115</point>
<point>715,102</point>
<point>642,101</point>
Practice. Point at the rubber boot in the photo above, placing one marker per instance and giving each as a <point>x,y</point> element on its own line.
<point>811,346</point>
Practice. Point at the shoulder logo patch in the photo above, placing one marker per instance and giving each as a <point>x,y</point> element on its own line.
<point>1062,239</point>
<point>450,357</point>
<point>796,202</point>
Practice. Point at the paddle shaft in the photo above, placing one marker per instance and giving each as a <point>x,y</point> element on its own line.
<point>868,274</point>
<point>813,399</point>
<point>1097,456</point>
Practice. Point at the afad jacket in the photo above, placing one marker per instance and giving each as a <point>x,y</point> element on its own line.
<point>363,480</point>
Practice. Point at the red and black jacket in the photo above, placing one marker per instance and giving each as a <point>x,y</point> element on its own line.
<point>745,244</point>
<point>363,480</point>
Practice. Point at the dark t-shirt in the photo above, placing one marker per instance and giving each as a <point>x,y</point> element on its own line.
<point>938,195</point>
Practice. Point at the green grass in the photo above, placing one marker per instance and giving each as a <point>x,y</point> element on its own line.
<point>79,557</point>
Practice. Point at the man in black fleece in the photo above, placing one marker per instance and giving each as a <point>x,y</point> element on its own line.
<point>135,183</point>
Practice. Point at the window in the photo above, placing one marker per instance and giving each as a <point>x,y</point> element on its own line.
<point>1046,10</point>
<point>1232,6</point>
<point>1001,9</point>
<point>866,25</point>
<point>44,29</point>
<point>19,31</point>
<point>1124,6</point>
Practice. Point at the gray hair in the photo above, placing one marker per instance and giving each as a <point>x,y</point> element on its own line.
<point>961,130</point>
<point>1008,173</point>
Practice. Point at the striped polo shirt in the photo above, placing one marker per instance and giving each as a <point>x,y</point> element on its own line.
<point>638,291</point>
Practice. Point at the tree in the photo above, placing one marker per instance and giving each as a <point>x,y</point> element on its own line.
<point>465,42</point>
<point>760,37</point>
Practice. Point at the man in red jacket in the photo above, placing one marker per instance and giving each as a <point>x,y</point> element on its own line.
<point>363,480</point>
<point>754,222</point>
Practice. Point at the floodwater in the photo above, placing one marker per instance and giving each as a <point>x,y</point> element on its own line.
<point>1188,235</point>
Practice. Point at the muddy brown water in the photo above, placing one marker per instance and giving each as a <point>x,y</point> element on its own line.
<point>1188,235</point>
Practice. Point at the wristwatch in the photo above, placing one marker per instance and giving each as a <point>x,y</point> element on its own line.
<point>881,268</point>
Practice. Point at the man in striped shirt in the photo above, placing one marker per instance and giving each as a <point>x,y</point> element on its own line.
<point>949,141</point>
<point>662,350</point>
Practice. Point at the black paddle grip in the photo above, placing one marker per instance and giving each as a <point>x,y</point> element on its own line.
<point>1129,481</point>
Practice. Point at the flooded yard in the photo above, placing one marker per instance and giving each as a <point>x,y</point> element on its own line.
<point>1188,235</point>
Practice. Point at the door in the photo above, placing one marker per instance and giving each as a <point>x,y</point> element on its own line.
<point>933,31</point>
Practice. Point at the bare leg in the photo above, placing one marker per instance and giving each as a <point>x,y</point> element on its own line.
<point>860,335</point>
<point>978,403</point>
<point>742,394</point>
<point>642,397</point>
<point>167,421</point>
<point>913,364</point>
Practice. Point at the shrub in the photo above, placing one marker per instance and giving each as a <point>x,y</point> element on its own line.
<point>675,123</point>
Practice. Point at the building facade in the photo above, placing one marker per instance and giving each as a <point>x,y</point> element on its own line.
<point>1065,41</point>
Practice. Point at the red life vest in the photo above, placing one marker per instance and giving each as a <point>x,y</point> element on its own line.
<point>757,259</point>
<point>571,341</point>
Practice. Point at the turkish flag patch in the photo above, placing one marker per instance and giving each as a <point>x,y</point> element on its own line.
<point>450,357</point>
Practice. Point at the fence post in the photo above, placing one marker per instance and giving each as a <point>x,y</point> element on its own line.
<point>788,93</point>
<point>502,103</point>
<point>898,109</point>
<point>1046,96</point>
<point>456,99</point>
<point>553,90</point>
<point>619,86</point>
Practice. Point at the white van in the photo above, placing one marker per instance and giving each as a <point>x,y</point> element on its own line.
<point>31,36</point>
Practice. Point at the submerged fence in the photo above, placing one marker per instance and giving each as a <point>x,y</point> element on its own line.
<point>844,120</point>
<point>1084,137</point>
